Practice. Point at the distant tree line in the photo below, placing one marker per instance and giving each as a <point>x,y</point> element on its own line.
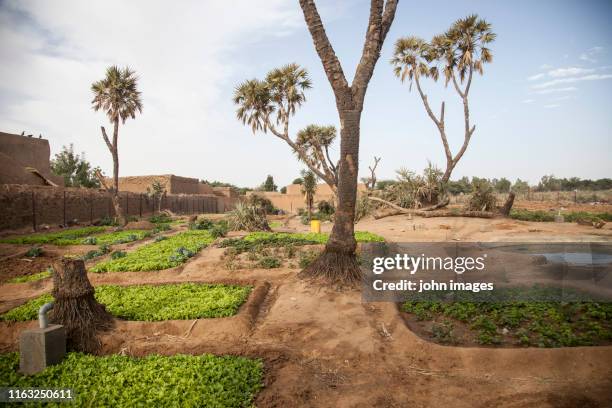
<point>503,185</point>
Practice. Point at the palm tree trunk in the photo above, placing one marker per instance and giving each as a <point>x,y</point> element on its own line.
<point>122,219</point>
<point>338,262</point>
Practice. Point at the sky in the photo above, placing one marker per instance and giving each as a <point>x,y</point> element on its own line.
<point>542,107</point>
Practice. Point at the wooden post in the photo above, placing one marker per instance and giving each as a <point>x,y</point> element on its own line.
<point>64,209</point>
<point>34,210</point>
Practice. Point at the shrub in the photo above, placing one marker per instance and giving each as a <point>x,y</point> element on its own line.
<point>34,252</point>
<point>269,262</point>
<point>162,218</point>
<point>527,215</point>
<point>262,203</point>
<point>325,207</point>
<point>161,227</point>
<point>154,380</point>
<point>108,221</point>
<point>156,255</point>
<point>201,224</point>
<point>94,253</point>
<point>118,255</point>
<point>248,218</point>
<point>482,197</point>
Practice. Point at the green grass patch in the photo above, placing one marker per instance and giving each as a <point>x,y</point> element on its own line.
<point>155,256</point>
<point>526,323</point>
<point>276,224</point>
<point>151,381</point>
<point>154,302</point>
<point>65,237</point>
<point>31,278</point>
<point>278,239</point>
<point>549,216</point>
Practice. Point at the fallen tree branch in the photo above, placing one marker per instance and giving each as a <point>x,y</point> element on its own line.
<point>428,212</point>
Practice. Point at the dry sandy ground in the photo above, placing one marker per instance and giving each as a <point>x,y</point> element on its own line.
<point>324,348</point>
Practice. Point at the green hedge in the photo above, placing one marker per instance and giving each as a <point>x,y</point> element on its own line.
<point>154,302</point>
<point>155,256</point>
<point>151,381</point>
<point>549,216</point>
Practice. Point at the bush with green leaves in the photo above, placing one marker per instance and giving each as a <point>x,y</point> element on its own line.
<point>94,253</point>
<point>157,255</point>
<point>161,218</point>
<point>161,227</point>
<point>34,252</point>
<point>482,197</point>
<point>269,262</point>
<point>152,381</point>
<point>118,255</point>
<point>154,302</point>
<point>247,217</point>
<point>64,237</point>
<point>528,215</point>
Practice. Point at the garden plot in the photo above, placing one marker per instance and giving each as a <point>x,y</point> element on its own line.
<point>64,237</point>
<point>511,323</point>
<point>269,250</point>
<point>166,252</point>
<point>121,381</point>
<point>154,302</point>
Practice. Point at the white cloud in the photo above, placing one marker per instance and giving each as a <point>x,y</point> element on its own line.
<point>556,90</point>
<point>592,77</point>
<point>591,54</point>
<point>536,77</point>
<point>569,71</point>
<point>182,52</point>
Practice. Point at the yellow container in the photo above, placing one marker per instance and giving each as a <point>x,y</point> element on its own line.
<point>315,226</point>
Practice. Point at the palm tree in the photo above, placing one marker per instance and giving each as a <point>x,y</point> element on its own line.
<point>459,52</point>
<point>118,96</point>
<point>338,261</point>
<point>309,188</point>
<point>268,104</point>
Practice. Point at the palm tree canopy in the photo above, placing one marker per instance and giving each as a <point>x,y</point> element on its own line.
<point>117,94</point>
<point>281,91</point>
<point>254,103</point>
<point>413,56</point>
<point>465,46</point>
<point>309,183</point>
<point>315,135</point>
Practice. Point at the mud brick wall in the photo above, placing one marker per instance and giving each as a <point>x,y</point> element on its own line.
<point>30,207</point>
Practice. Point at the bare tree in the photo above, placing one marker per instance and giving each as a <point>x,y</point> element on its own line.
<point>460,51</point>
<point>370,182</point>
<point>338,261</point>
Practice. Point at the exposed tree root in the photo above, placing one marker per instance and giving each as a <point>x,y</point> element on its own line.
<point>333,267</point>
<point>505,210</point>
<point>76,307</point>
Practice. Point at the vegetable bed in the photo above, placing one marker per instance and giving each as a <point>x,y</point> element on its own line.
<point>163,254</point>
<point>277,239</point>
<point>152,381</point>
<point>514,323</point>
<point>154,302</point>
<point>65,237</point>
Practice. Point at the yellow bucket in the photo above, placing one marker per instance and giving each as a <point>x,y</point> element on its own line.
<point>315,226</point>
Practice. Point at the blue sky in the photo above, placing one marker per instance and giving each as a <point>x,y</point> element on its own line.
<point>543,106</point>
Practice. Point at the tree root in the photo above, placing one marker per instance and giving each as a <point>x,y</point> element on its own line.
<point>333,267</point>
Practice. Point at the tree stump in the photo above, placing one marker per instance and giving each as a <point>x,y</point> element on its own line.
<point>76,307</point>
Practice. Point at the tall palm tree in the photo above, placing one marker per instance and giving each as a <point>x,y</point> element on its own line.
<point>309,188</point>
<point>338,261</point>
<point>118,96</point>
<point>458,52</point>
